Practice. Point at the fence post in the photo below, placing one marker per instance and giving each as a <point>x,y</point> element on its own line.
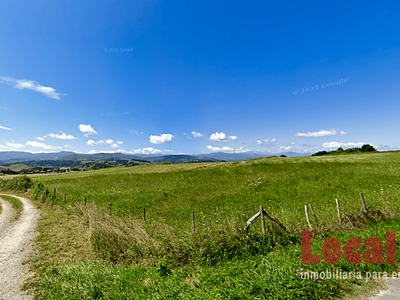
<point>193,224</point>
<point>307,217</point>
<point>315,216</point>
<point>65,196</point>
<point>110,209</point>
<point>363,202</point>
<point>144,214</point>
<point>85,201</point>
<point>54,192</point>
<point>338,210</point>
<point>262,219</point>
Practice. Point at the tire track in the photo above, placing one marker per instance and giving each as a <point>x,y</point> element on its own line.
<point>16,245</point>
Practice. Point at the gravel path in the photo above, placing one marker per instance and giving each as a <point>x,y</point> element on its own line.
<point>392,293</point>
<point>16,245</point>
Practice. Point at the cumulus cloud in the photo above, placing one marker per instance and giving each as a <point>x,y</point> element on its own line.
<point>87,129</point>
<point>148,150</point>
<point>44,146</point>
<point>227,149</point>
<point>285,148</point>
<point>63,136</point>
<point>11,146</point>
<point>222,137</point>
<point>320,133</point>
<point>161,139</point>
<point>31,85</point>
<point>271,142</point>
<point>343,145</point>
<point>110,142</point>
<point>196,134</point>
<point>5,128</point>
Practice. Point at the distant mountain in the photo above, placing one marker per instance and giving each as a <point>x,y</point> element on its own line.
<point>69,159</point>
<point>8,157</point>
<point>102,157</point>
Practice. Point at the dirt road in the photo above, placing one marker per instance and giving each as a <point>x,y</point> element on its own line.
<point>16,246</point>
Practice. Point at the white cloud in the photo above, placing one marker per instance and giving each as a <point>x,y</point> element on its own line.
<point>87,129</point>
<point>135,132</point>
<point>44,146</point>
<point>31,85</point>
<point>227,149</point>
<point>222,137</point>
<point>271,142</point>
<point>5,128</point>
<point>63,136</point>
<point>320,133</point>
<point>197,134</point>
<point>161,139</point>
<point>285,148</point>
<point>343,145</point>
<point>91,143</point>
<point>148,150</point>
<point>68,146</point>
<point>12,146</point>
<point>110,142</point>
<point>40,138</point>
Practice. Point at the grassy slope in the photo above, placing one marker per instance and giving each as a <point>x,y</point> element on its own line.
<point>16,167</point>
<point>223,192</point>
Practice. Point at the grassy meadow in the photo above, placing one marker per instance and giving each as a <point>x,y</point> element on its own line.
<point>88,254</point>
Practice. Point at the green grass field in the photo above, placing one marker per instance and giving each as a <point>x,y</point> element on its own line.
<point>87,254</point>
<point>220,192</point>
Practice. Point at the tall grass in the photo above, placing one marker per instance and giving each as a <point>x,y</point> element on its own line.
<point>124,242</point>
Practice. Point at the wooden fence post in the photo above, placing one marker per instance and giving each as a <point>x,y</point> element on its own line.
<point>144,214</point>
<point>307,217</point>
<point>54,192</point>
<point>85,201</point>
<point>315,216</point>
<point>65,196</point>
<point>262,219</point>
<point>110,209</point>
<point>193,224</point>
<point>363,202</point>
<point>338,210</point>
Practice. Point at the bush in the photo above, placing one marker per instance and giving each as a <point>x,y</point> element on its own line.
<point>41,191</point>
<point>367,148</point>
<point>20,183</point>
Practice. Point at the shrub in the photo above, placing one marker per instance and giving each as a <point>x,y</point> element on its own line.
<point>41,191</point>
<point>20,183</point>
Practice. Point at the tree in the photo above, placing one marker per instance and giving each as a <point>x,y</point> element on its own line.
<point>367,148</point>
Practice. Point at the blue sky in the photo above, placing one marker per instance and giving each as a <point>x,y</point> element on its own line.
<point>197,77</point>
